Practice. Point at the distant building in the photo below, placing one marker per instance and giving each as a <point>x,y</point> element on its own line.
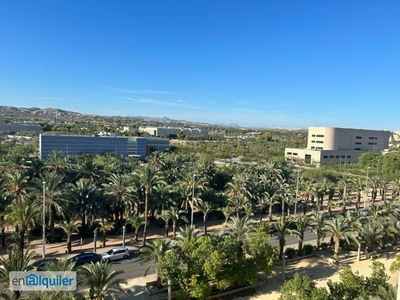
<point>16,127</point>
<point>340,145</point>
<point>75,144</point>
<point>172,132</point>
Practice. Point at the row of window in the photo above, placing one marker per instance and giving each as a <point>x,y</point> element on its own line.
<point>337,156</point>
<point>318,142</point>
<point>318,135</point>
<point>290,153</point>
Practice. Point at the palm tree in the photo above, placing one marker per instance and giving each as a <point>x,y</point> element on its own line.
<point>302,222</point>
<point>104,227</point>
<point>370,234</point>
<point>206,208</point>
<point>175,215</point>
<point>22,215</point>
<point>149,178</point>
<point>14,262</point>
<point>102,281</point>
<point>136,222</point>
<point>317,222</point>
<point>17,185</point>
<point>282,227</point>
<point>227,211</point>
<point>69,228</point>
<point>338,228</point>
<point>54,197</point>
<point>154,252</point>
<point>166,217</point>
<point>238,228</point>
<point>119,189</point>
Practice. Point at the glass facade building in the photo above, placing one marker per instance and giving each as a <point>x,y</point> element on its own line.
<point>76,144</point>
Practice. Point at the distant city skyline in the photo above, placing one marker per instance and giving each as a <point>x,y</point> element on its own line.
<point>291,64</point>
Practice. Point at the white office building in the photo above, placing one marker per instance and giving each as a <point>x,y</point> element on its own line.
<point>339,145</point>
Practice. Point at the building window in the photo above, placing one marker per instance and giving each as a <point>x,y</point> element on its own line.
<point>320,135</point>
<point>348,156</point>
<point>337,156</point>
<point>371,143</point>
<point>358,137</point>
<point>313,148</point>
<point>294,153</point>
<point>331,156</point>
<point>343,156</point>
<point>357,149</point>
<point>320,142</point>
<point>312,141</point>
<point>358,143</point>
<point>289,153</point>
<point>313,135</point>
<point>372,138</point>
<point>325,156</point>
<point>320,148</point>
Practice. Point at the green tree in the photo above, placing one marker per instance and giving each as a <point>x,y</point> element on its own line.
<point>69,228</point>
<point>136,222</point>
<point>102,282</point>
<point>282,227</point>
<point>338,228</point>
<point>104,227</point>
<point>302,288</point>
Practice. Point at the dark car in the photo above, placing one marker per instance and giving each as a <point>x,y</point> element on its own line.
<point>85,258</point>
<point>41,264</point>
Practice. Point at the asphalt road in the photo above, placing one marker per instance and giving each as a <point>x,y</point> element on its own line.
<point>132,267</point>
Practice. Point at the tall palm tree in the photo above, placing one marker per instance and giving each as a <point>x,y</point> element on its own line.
<point>69,228</point>
<point>104,227</point>
<point>155,252</point>
<point>136,222</point>
<point>23,215</point>
<point>86,197</point>
<point>282,227</point>
<point>175,215</point>
<point>338,228</point>
<point>149,177</point>
<point>14,262</point>
<point>302,223</point>
<point>262,203</point>
<point>102,281</point>
<point>119,189</point>
<point>227,211</point>
<point>166,217</point>
<point>17,184</point>
<point>206,208</point>
<point>371,234</point>
<point>317,222</point>
<point>54,197</point>
<point>238,228</point>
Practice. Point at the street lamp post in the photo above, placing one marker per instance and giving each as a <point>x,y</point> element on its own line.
<point>191,219</point>
<point>95,240</point>
<point>366,188</point>
<point>123,235</point>
<point>44,221</point>
<point>297,191</point>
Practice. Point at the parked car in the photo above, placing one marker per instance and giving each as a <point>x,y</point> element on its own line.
<point>116,253</point>
<point>85,258</point>
<point>41,264</point>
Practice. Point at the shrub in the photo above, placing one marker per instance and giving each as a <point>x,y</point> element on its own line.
<point>290,252</point>
<point>181,295</point>
<point>308,249</point>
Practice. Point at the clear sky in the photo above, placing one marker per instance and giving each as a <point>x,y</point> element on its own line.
<point>266,63</point>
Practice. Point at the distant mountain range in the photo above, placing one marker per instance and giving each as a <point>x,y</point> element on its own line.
<point>36,114</point>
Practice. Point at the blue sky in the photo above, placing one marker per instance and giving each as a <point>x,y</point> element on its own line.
<point>270,63</point>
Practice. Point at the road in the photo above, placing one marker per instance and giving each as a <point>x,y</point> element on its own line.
<point>132,268</point>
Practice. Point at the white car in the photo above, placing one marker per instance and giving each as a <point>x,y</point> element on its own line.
<point>116,253</point>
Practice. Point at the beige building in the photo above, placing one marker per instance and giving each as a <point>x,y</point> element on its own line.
<point>339,145</point>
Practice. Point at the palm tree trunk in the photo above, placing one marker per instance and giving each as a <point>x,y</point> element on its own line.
<point>136,235</point>
<point>270,213</point>
<point>300,249</point>
<point>22,242</point>
<point>205,224</point>
<point>104,239</point>
<point>69,244</point>
<point>146,208</point>
<point>281,246</point>
<point>3,237</point>
<point>174,229</point>
<point>337,241</point>
<point>52,222</point>
<point>166,230</point>
<point>283,207</point>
